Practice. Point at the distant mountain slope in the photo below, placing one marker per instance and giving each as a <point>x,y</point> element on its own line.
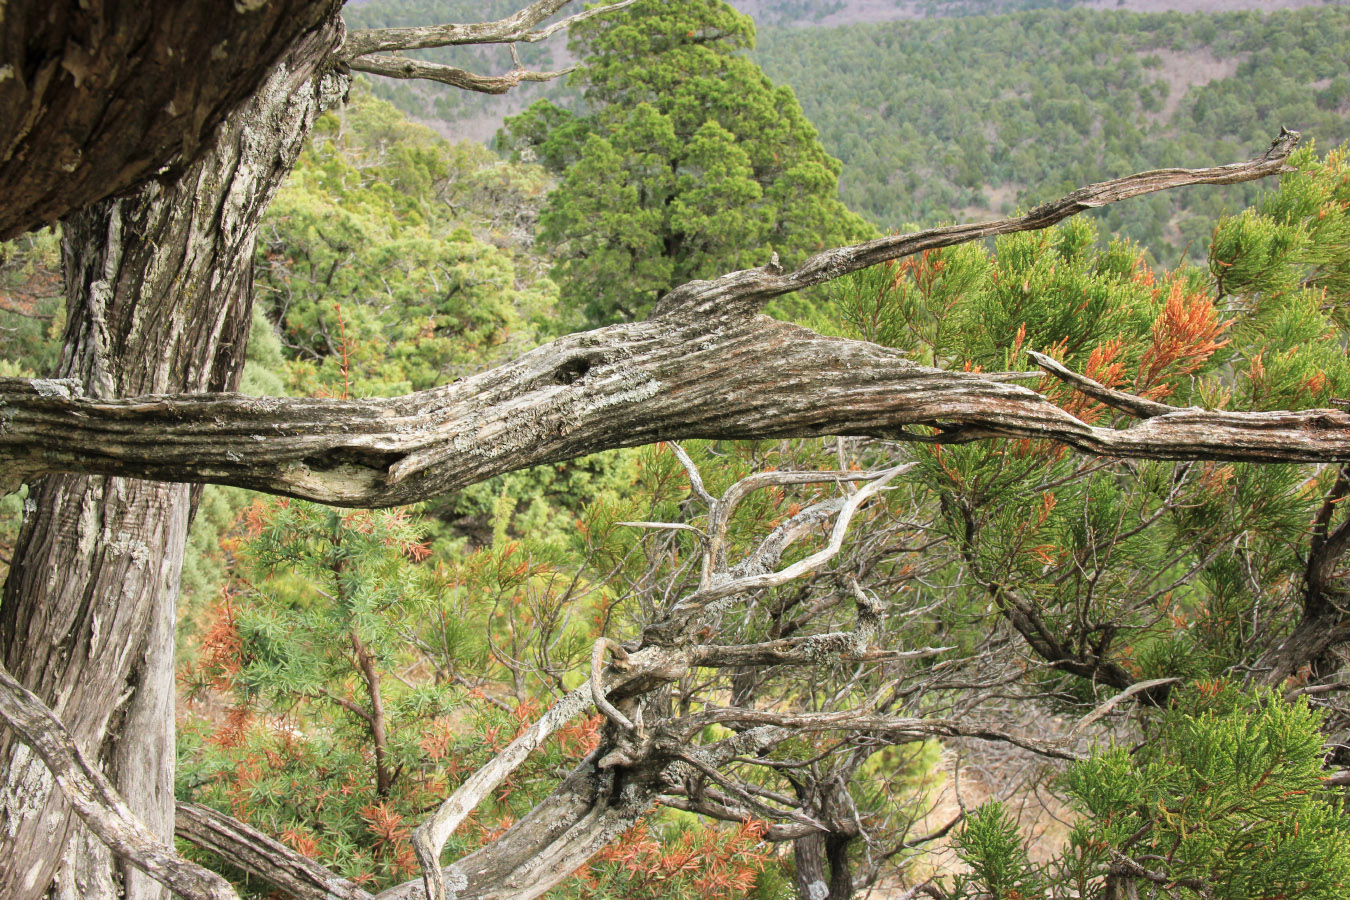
<point>959,116</point>
<point>831,13</point>
<point>966,117</point>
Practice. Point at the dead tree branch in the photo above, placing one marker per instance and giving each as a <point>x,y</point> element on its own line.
<point>519,27</point>
<point>367,50</point>
<point>402,67</point>
<point>97,802</point>
<point>247,848</point>
<point>703,366</point>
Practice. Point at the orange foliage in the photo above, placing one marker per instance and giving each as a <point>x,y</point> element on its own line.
<point>221,652</point>
<point>1185,335</point>
<point>392,837</point>
<point>301,842</point>
<point>579,739</point>
<point>235,728</point>
<point>722,864</point>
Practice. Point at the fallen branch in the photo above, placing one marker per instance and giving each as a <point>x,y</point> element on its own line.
<point>247,848</point>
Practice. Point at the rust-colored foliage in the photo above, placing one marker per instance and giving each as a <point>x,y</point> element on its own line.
<point>718,863</point>
<point>392,836</point>
<point>1185,335</point>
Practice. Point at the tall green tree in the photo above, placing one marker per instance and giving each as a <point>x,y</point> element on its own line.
<point>688,163</point>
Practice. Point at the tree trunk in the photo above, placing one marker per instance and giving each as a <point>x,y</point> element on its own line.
<point>808,856</point>
<point>841,873</point>
<point>159,293</point>
<point>97,96</point>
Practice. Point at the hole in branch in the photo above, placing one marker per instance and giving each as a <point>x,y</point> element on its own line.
<point>572,371</point>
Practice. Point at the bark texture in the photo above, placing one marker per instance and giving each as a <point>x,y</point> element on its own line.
<point>702,376</point>
<point>705,365</point>
<point>102,809</point>
<point>96,96</point>
<point>159,291</point>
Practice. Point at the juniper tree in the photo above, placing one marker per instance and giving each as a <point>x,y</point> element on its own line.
<point>690,162</point>
<point>1225,799</point>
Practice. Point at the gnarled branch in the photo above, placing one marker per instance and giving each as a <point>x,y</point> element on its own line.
<point>247,848</point>
<point>704,366</point>
<point>519,27</point>
<point>97,802</point>
<point>402,67</point>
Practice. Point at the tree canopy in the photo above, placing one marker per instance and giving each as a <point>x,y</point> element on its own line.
<point>690,162</point>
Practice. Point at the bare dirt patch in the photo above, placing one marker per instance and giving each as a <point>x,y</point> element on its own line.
<point>1184,70</point>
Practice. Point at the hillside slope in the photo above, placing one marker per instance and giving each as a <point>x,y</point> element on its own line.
<point>961,116</point>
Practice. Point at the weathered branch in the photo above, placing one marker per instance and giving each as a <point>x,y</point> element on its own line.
<point>245,847</point>
<point>1325,619</point>
<point>429,838</point>
<point>1138,687</point>
<point>714,805</point>
<point>753,577</point>
<point>97,802</point>
<point>518,27</point>
<point>895,729</point>
<point>1141,407</point>
<point>753,287</point>
<point>703,367</point>
<point>403,67</point>
<point>602,645</point>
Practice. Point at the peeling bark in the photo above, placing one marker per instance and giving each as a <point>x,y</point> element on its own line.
<point>159,291</point>
<point>97,96</point>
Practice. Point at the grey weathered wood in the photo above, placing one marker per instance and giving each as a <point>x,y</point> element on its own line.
<point>363,49</point>
<point>260,855</point>
<point>419,69</point>
<point>97,802</point>
<point>88,610</point>
<point>519,27</point>
<point>705,365</point>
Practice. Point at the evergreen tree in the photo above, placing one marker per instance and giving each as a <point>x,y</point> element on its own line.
<point>691,162</point>
<point>1224,800</point>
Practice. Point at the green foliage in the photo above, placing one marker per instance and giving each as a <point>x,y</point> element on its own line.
<point>329,744</point>
<point>1045,532</point>
<point>328,611</point>
<point>31,304</point>
<point>1061,98</point>
<point>690,164</point>
<point>967,117</point>
<point>1225,800</point>
<point>392,261</point>
<point>991,845</point>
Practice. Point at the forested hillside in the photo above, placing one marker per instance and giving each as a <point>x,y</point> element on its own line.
<point>960,118</point>
<point>944,118</point>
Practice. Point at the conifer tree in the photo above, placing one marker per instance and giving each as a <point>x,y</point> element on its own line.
<point>690,162</point>
<point>1225,800</point>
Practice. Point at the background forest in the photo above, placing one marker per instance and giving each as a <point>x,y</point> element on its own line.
<point>342,671</point>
